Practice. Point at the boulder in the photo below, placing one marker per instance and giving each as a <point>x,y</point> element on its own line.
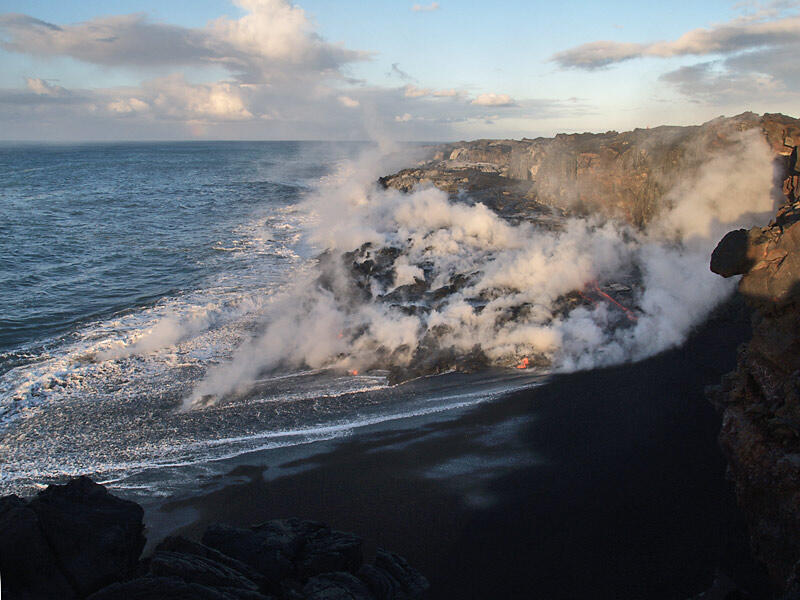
<point>28,567</point>
<point>288,548</point>
<point>78,541</point>
<point>730,256</point>
<point>96,537</point>
<point>181,545</point>
<point>198,569</point>
<point>269,548</point>
<point>329,550</point>
<point>390,577</point>
<point>336,586</point>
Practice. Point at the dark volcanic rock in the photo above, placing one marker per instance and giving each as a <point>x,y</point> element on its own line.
<point>760,401</point>
<point>173,588</point>
<point>336,586</point>
<point>198,569</point>
<point>178,544</point>
<point>390,577</point>
<point>28,567</point>
<point>288,548</point>
<point>266,548</point>
<point>68,541</point>
<point>96,537</point>
<point>329,550</point>
<point>730,255</point>
<point>78,541</point>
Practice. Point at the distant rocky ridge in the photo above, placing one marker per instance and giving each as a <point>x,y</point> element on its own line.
<point>760,401</point>
<point>624,175</point>
<point>79,541</point>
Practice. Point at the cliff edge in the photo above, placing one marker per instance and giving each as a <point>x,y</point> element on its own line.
<point>622,175</point>
<point>760,401</point>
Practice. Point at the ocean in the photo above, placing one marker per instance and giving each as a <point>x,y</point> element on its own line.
<point>127,271</point>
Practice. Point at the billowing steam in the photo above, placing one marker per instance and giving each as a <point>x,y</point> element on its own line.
<point>417,279</point>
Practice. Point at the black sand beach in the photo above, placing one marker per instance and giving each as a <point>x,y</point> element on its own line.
<point>604,484</point>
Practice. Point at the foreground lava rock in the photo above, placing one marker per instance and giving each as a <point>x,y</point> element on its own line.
<point>79,541</point>
<point>760,401</point>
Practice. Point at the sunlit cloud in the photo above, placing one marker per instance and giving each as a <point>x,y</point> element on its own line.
<point>741,34</point>
<point>494,100</point>
<point>425,7</point>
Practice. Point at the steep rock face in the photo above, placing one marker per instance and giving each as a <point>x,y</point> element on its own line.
<point>620,174</point>
<point>760,401</point>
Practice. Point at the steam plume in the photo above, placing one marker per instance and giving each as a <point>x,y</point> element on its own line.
<point>406,274</point>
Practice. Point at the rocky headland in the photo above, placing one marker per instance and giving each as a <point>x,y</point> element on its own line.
<point>79,541</point>
<point>624,175</point>
<point>760,401</point>
<point>630,177</point>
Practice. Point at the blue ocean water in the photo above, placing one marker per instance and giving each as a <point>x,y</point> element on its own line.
<point>126,271</point>
<point>90,230</point>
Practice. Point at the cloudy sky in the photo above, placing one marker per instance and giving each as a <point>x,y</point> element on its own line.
<point>347,69</point>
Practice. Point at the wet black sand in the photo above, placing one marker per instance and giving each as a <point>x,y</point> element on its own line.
<point>604,484</point>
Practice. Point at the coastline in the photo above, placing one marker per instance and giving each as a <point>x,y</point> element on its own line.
<point>604,483</point>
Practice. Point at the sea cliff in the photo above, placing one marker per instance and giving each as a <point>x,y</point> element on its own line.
<point>760,400</point>
<point>624,175</point>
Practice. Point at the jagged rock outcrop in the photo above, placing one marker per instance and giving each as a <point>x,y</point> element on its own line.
<point>760,401</point>
<point>621,174</point>
<point>68,541</point>
<point>79,541</point>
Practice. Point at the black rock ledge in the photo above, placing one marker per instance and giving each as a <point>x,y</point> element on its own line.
<point>79,541</point>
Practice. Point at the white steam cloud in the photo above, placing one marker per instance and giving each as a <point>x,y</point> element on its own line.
<point>445,276</point>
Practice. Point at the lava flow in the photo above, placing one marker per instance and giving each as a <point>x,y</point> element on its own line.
<point>594,287</point>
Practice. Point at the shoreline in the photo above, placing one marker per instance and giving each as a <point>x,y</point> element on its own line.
<point>608,483</point>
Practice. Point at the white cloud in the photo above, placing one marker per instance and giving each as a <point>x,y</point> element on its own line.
<point>494,100</point>
<point>348,102</point>
<point>412,91</point>
<point>127,106</point>
<point>274,39</point>
<point>425,7</point>
<point>284,81</point>
<point>43,88</point>
<point>178,99</point>
<point>740,34</point>
<point>751,57</point>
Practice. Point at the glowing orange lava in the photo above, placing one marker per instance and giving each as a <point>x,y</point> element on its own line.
<point>353,372</point>
<point>523,364</point>
<point>592,286</point>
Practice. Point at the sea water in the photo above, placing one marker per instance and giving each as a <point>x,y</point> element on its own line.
<point>126,271</point>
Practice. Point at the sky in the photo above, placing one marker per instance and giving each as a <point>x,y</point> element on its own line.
<point>386,69</point>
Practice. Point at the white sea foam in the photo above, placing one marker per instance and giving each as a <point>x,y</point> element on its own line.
<point>188,331</point>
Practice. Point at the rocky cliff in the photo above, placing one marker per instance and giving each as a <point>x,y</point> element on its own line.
<point>760,401</point>
<point>618,174</point>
